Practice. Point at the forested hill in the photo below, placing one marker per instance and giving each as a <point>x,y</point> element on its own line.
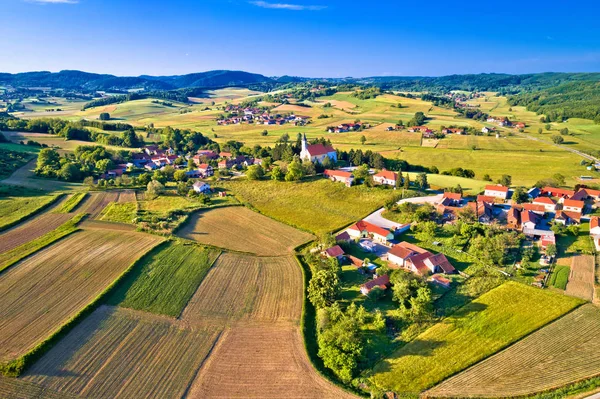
<point>77,80</point>
<point>569,100</point>
<point>504,83</point>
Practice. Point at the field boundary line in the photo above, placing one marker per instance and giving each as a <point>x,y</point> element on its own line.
<point>502,349</point>
<point>18,366</point>
<point>34,213</point>
<point>207,271</point>
<point>207,359</point>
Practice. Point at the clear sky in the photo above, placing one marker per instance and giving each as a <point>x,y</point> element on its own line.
<point>314,38</point>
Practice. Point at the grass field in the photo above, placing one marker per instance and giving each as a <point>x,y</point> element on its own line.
<point>166,279</point>
<point>318,206</point>
<point>71,203</point>
<point>479,329</point>
<point>127,355</point>
<point>14,209</point>
<point>248,287</point>
<point>560,277</point>
<point>238,228</point>
<point>469,186</point>
<point>119,212</point>
<point>563,352</point>
<point>46,290</point>
<point>268,362</point>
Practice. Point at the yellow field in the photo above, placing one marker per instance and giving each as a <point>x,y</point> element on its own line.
<point>43,292</point>
<point>563,352</point>
<point>241,229</point>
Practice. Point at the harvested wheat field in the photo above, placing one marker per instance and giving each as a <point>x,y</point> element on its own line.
<point>40,294</point>
<point>18,389</point>
<point>581,280</point>
<point>240,229</point>
<point>120,353</point>
<point>31,230</point>
<point>248,287</point>
<point>261,362</point>
<point>565,351</point>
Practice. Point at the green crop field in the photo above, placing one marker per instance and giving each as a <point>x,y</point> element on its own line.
<point>119,212</point>
<point>318,206</point>
<point>14,209</point>
<point>560,277</point>
<point>166,279</point>
<point>479,329</point>
<point>71,203</point>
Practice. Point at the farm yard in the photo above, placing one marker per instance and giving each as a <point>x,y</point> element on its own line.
<point>247,287</point>
<point>479,329</point>
<point>563,352</point>
<point>240,229</point>
<point>46,290</point>
<point>127,355</point>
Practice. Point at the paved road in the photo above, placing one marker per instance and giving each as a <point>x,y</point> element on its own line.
<point>378,220</point>
<point>596,396</point>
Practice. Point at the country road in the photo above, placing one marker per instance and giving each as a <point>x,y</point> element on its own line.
<point>378,220</point>
<point>562,147</point>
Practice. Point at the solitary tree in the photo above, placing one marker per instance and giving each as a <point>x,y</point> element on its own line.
<point>363,140</point>
<point>558,139</point>
<point>104,116</point>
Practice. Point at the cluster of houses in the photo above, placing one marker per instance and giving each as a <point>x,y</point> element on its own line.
<point>346,127</point>
<point>503,121</point>
<point>401,255</point>
<point>384,177</point>
<point>428,133</point>
<point>258,116</point>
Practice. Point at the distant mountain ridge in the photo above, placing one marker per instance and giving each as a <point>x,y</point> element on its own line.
<point>78,80</point>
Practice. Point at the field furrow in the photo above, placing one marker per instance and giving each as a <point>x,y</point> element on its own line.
<point>43,292</point>
<point>31,230</point>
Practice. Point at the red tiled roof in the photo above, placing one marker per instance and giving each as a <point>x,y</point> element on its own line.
<point>534,207</point>
<point>499,187</point>
<point>343,236</point>
<point>338,173</point>
<point>528,216</point>
<point>381,282</point>
<point>453,196</point>
<point>443,262</point>
<point>441,279</point>
<point>319,149</point>
<point>355,261</point>
<point>334,251</point>
<point>594,222</point>
<point>419,262</point>
<point>401,252</point>
<point>371,228</point>
<point>485,198</point>
<point>544,200</point>
<point>574,203</point>
<point>412,247</point>
<point>224,154</point>
<point>557,192</point>
<point>569,215</point>
<point>387,174</point>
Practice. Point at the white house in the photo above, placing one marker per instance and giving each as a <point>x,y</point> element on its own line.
<point>529,220</point>
<point>317,152</point>
<point>201,187</point>
<point>547,202</point>
<point>573,206</point>
<point>496,191</point>
<point>386,177</point>
<point>595,226</point>
<point>339,175</point>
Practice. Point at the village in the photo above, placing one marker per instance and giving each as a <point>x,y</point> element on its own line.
<point>236,114</point>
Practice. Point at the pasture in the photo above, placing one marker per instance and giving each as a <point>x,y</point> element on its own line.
<point>488,324</point>
<point>563,352</point>
<point>14,209</point>
<point>319,206</point>
<point>49,288</point>
<point>269,362</point>
<point>118,353</point>
<point>247,287</point>
<point>165,279</point>
<point>240,229</point>
<point>560,277</point>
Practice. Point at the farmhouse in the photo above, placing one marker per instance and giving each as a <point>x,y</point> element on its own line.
<point>453,131</point>
<point>500,120</point>
<point>343,237</point>
<point>557,192</point>
<point>513,218</point>
<point>539,209</point>
<point>334,252</point>
<point>365,229</point>
<point>573,206</point>
<point>483,210</point>
<point>400,253</point>
<point>419,260</point>
<point>452,199</point>
<point>567,217</point>
<point>339,175</point>
<point>317,152</point>
<point>206,170</point>
<point>201,187</point>
<point>547,202</point>
<point>496,191</point>
<point>486,129</point>
<point>546,240</point>
<point>586,194</point>
<point>595,226</point>
<point>386,177</point>
<point>529,220</point>
<point>382,282</point>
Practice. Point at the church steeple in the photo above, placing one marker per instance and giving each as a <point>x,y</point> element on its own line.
<point>304,143</point>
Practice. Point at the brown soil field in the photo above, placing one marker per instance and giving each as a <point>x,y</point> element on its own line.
<point>240,229</point>
<point>18,389</point>
<point>100,225</point>
<point>247,287</point>
<point>261,362</point>
<point>40,294</point>
<point>565,351</point>
<point>126,196</point>
<point>31,230</point>
<point>120,353</point>
<point>581,280</point>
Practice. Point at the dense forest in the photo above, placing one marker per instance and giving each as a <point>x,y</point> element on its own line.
<point>569,100</point>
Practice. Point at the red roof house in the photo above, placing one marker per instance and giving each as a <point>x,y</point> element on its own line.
<point>382,282</point>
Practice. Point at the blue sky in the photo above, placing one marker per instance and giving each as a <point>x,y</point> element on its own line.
<point>315,38</point>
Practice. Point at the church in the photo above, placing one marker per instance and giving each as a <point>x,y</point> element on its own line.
<point>316,152</point>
